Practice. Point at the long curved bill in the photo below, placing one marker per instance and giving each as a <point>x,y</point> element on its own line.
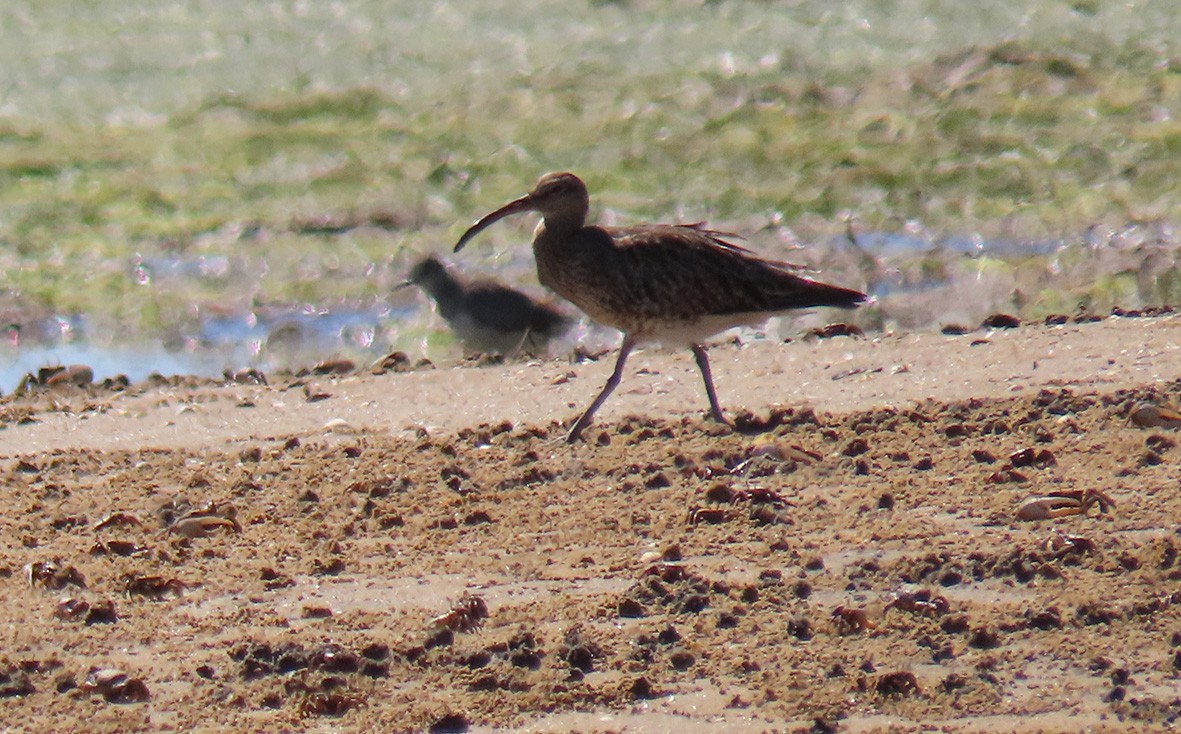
<point>523,204</point>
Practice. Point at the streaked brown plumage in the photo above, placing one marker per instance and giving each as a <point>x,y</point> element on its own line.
<point>672,284</point>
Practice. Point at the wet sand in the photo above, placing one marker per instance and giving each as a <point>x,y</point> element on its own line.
<point>422,549</point>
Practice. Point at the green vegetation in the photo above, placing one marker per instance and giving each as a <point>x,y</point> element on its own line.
<point>184,130</point>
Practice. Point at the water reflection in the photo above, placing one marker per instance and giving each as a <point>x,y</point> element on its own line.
<point>285,337</point>
<point>920,281</point>
<point>268,339</point>
<point>135,361</point>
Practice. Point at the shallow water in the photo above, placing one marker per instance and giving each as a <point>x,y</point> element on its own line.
<point>272,339</point>
<point>919,283</point>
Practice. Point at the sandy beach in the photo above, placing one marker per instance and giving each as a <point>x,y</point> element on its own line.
<point>421,550</point>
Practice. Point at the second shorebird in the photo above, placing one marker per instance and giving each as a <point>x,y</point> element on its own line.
<point>486,316</point>
<point>671,284</point>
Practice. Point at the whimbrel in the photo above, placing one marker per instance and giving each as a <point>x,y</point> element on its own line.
<point>486,316</point>
<point>671,284</point>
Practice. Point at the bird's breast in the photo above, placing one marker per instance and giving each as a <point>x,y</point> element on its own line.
<point>585,276</point>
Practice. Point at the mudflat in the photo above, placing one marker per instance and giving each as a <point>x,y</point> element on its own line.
<point>422,550</point>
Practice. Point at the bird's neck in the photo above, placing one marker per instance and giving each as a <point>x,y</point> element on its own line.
<point>447,292</point>
<point>550,248</point>
<point>561,226</point>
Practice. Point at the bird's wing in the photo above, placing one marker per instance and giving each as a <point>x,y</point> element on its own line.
<point>682,271</point>
<point>695,236</point>
<point>495,306</point>
<point>549,322</point>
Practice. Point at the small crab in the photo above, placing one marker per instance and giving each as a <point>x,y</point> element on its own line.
<point>71,608</point>
<point>212,507</point>
<point>774,450</point>
<point>74,609</point>
<point>920,602</point>
<point>759,496</point>
<point>849,620</point>
<point>203,525</point>
<point>200,522</point>
<point>1059,544</point>
<point>901,683</point>
<point>118,548</point>
<point>466,615</point>
<point>1150,415</point>
<point>115,686</point>
<point>1060,504</point>
<point>155,587</point>
<point>117,519</point>
<point>52,575</point>
<point>245,376</point>
<point>710,515</point>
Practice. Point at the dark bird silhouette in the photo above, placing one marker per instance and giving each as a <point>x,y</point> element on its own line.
<point>486,316</point>
<point>672,284</point>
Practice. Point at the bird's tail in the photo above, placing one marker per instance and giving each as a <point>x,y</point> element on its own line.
<point>807,293</point>
<point>548,323</point>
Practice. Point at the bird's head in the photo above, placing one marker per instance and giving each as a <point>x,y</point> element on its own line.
<point>429,270</point>
<point>555,196</point>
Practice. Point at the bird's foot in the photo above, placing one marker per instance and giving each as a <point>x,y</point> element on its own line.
<point>576,431</point>
<point>718,416</point>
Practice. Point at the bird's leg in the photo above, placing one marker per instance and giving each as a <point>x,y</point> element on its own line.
<point>521,342</point>
<point>612,383</point>
<point>703,365</point>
